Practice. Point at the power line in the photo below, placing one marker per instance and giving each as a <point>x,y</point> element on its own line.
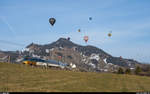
<point>11,43</point>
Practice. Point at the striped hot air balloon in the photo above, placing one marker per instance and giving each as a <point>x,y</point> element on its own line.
<point>86,38</point>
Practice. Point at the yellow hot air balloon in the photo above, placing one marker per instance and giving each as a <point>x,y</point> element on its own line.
<point>110,34</point>
<point>79,30</point>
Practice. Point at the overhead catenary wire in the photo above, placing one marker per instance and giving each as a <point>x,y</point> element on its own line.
<point>11,43</point>
<point>10,27</point>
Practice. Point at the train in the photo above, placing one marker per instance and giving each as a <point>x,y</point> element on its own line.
<point>40,62</point>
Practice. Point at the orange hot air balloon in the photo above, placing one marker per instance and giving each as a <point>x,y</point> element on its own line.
<point>86,38</point>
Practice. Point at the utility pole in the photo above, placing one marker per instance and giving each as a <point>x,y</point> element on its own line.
<point>8,59</point>
<point>49,54</point>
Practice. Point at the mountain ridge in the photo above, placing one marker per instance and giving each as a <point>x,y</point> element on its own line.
<point>89,58</point>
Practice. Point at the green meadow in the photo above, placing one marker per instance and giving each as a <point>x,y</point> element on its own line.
<point>23,78</point>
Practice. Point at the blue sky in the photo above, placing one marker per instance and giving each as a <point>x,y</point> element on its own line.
<point>26,21</point>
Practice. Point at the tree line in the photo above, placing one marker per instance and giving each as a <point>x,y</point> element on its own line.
<point>138,71</point>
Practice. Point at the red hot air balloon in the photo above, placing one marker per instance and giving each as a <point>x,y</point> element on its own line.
<point>86,38</point>
<point>120,57</point>
<point>59,57</point>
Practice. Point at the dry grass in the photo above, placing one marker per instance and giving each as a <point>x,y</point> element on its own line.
<point>22,78</point>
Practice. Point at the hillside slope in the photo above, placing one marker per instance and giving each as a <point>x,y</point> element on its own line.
<point>21,78</point>
<point>86,58</point>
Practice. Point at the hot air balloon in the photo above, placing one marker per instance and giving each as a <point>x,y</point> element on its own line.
<point>79,30</point>
<point>110,34</point>
<point>86,38</point>
<point>120,57</point>
<point>90,18</point>
<point>68,38</point>
<point>59,57</point>
<point>52,21</point>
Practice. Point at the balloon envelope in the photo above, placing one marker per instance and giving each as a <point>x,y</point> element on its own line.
<point>79,30</point>
<point>68,38</point>
<point>52,21</point>
<point>90,18</point>
<point>59,57</point>
<point>109,34</point>
<point>120,57</point>
<point>86,38</point>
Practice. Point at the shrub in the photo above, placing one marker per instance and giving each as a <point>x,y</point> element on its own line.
<point>138,70</point>
<point>120,71</point>
<point>128,71</point>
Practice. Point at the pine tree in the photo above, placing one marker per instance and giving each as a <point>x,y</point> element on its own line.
<point>137,70</point>
<point>128,71</point>
<point>120,71</point>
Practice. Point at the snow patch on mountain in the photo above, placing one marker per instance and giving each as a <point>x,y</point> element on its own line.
<point>31,51</point>
<point>93,65</point>
<point>51,49</point>
<point>47,50</point>
<point>72,65</point>
<point>33,55</point>
<point>25,49</point>
<point>110,64</point>
<point>105,60</point>
<point>61,47</point>
<point>94,56</point>
<point>84,59</point>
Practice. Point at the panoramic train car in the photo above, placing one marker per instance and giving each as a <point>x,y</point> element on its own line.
<point>53,63</point>
<point>41,62</point>
<point>29,61</point>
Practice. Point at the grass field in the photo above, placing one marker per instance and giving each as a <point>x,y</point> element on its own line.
<point>22,78</point>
